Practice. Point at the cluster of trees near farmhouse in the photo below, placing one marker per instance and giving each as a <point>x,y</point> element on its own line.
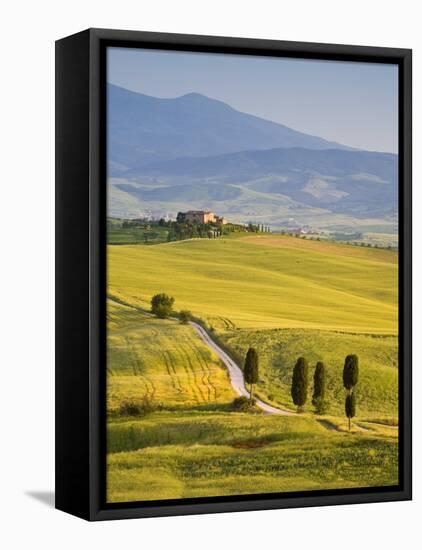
<point>162,307</point>
<point>179,229</point>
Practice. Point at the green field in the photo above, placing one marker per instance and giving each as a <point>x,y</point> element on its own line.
<point>136,235</point>
<point>377,392</point>
<point>265,282</point>
<point>162,360</point>
<point>285,296</point>
<point>193,454</point>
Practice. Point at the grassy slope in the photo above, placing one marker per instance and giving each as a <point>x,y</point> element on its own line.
<point>377,391</point>
<point>171,455</point>
<point>136,235</point>
<point>160,359</point>
<point>199,449</point>
<point>286,296</point>
<point>265,282</point>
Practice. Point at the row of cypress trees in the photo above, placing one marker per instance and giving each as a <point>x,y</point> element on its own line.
<point>300,383</point>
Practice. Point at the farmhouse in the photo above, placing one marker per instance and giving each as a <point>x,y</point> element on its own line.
<point>200,216</point>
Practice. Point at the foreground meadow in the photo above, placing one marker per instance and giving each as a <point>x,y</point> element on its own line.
<point>192,454</point>
<point>285,296</point>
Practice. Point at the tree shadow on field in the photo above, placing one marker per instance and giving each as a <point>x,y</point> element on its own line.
<point>45,497</point>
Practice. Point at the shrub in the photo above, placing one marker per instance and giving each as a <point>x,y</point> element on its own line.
<point>185,316</point>
<point>140,407</point>
<point>243,404</point>
<point>162,305</point>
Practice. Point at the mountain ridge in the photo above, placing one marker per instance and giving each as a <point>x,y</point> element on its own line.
<point>145,129</point>
<point>171,154</point>
<point>212,165</point>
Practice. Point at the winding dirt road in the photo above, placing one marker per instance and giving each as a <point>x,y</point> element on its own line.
<point>235,372</point>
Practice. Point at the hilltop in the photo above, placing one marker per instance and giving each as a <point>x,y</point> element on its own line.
<point>266,281</point>
<point>144,129</point>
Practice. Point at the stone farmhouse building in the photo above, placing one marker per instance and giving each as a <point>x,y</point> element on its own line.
<point>200,216</point>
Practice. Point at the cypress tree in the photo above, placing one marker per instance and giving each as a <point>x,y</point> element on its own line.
<point>350,379</point>
<point>299,389</point>
<point>351,372</point>
<point>250,370</point>
<point>350,407</point>
<point>318,395</point>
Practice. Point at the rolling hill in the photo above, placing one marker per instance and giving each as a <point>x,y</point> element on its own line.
<point>286,297</point>
<point>182,372</point>
<point>265,282</point>
<point>358,183</point>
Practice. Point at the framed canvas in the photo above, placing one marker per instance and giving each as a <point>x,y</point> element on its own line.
<point>233,274</point>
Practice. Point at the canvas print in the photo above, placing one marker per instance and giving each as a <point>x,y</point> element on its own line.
<point>252,275</point>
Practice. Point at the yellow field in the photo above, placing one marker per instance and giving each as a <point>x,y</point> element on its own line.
<point>264,282</point>
<point>285,296</point>
<point>162,360</point>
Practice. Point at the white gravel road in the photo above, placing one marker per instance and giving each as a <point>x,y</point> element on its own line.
<point>235,372</point>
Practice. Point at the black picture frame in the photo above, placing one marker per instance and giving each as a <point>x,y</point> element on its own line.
<point>81,272</point>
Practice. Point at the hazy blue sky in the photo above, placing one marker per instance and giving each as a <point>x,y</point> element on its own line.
<point>352,103</point>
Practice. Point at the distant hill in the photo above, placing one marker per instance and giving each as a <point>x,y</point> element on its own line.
<point>145,129</point>
<point>359,183</point>
<point>167,155</point>
<point>247,164</point>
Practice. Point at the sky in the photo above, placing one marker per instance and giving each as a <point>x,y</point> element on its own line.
<point>355,104</point>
